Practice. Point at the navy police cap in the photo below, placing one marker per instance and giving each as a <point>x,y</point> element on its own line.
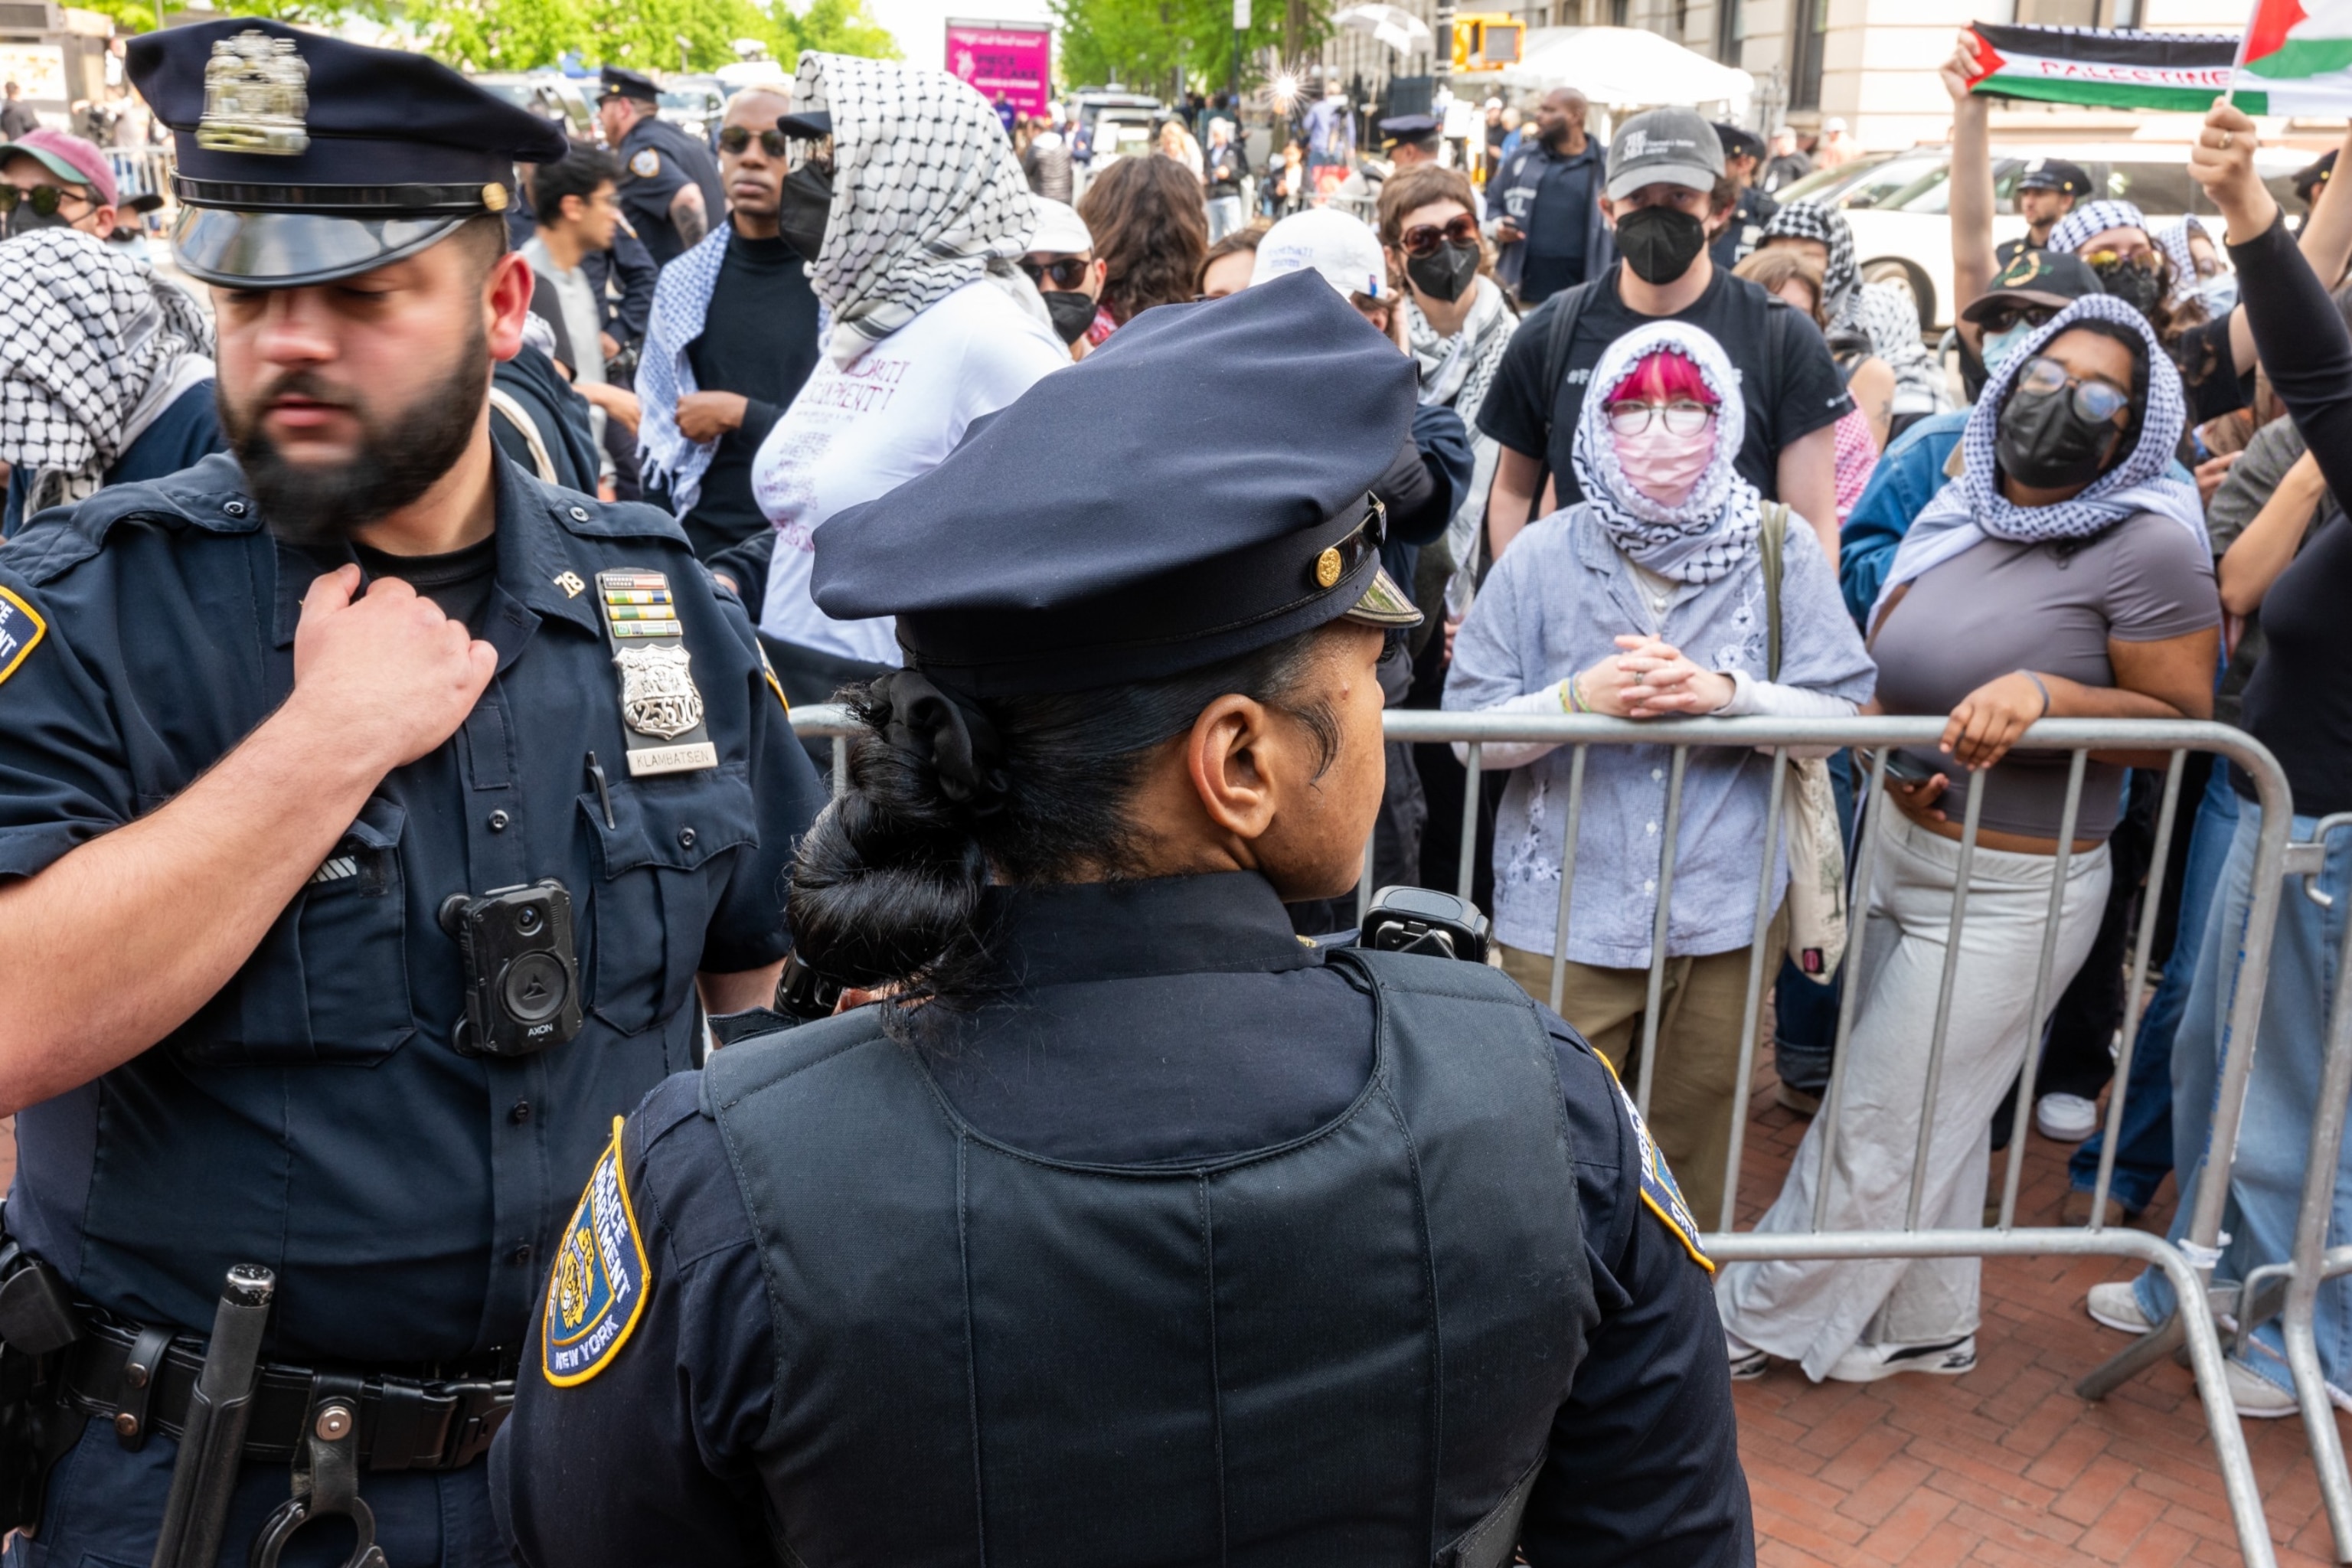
<point>619,82</point>
<point>301,158</point>
<point>1410,128</point>
<point>1220,503</point>
<point>2054,174</point>
<point>1738,142</point>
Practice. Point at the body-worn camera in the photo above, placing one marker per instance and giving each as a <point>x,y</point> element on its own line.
<point>522,980</point>
<point>1422,920</point>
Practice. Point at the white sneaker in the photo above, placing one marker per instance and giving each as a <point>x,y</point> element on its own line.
<point>2116,1305</point>
<point>1868,1363</point>
<point>2256,1396</point>
<point>2065,1117</point>
<point>1748,1362</point>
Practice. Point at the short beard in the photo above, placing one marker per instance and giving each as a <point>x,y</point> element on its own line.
<point>311,504</point>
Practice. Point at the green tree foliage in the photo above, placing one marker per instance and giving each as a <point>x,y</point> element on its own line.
<point>1149,44</point>
<point>521,34</point>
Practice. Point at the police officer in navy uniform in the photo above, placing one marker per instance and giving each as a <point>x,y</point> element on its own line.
<point>276,732</point>
<point>1125,1227</point>
<point>670,190</point>
<point>1743,156</point>
<point>2047,190</point>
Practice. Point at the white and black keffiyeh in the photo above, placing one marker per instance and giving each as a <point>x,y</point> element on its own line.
<point>2071,233</point>
<point>666,458</point>
<point>1970,509</point>
<point>1456,372</point>
<point>926,194</point>
<point>1716,527</point>
<point>1885,316</point>
<point>2173,240</point>
<point>91,342</point>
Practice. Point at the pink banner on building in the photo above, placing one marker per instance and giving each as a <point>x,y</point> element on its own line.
<point>1010,63</point>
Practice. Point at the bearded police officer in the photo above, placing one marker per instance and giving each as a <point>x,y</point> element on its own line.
<point>669,188</point>
<point>1127,1227</point>
<point>370,814</point>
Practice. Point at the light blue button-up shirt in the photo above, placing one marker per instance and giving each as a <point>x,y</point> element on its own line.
<point>1553,605</point>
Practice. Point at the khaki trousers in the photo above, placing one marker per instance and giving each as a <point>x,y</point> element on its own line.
<point>1700,1009</point>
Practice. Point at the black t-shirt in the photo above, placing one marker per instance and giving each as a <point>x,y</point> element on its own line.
<point>758,338</point>
<point>459,582</point>
<point>1791,385</point>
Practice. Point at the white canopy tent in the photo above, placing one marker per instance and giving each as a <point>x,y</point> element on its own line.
<point>1394,25</point>
<point>1627,68</point>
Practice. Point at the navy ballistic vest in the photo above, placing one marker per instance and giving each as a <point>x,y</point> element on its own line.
<point>1345,1349</point>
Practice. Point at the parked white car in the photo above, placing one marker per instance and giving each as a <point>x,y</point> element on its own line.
<point>1896,203</point>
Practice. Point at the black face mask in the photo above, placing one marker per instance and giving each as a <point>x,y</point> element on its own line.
<point>2041,441</point>
<point>2138,287</point>
<point>1660,243</point>
<point>1072,312</point>
<point>802,207</point>
<point>1445,272</point>
<point>25,220</point>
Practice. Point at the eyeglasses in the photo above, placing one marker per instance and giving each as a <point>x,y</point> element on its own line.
<point>1683,417</point>
<point>1067,273</point>
<point>2145,260</point>
<point>735,138</point>
<point>2011,316</point>
<point>1423,239</point>
<point>43,199</point>
<point>2096,401</point>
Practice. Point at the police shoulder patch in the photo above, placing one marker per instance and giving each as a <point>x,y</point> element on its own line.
<point>21,631</point>
<point>1660,1194</point>
<point>597,1289</point>
<point>645,164</point>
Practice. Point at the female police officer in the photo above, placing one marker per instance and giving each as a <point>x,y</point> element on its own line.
<point>1129,1228</point>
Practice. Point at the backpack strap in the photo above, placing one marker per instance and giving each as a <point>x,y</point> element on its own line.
<point>1568,308</point>
<point>1770,540</point>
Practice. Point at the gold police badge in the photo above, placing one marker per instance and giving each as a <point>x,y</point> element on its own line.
<point>256,97</point>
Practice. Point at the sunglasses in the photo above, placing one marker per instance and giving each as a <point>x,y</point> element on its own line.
<point>2011,316</point>
<point>1423,239</point>
<point>2145,260</point>
<point>1067,273</point>
<point>1683,417</point>
<point>2096,401</point>
<point>43,199</point>
<point>735,138</point>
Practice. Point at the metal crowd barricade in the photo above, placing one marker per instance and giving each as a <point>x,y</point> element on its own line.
<point>2188,1266</point>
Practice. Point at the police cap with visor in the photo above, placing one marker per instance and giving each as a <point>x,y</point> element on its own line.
<point>1201,528</point>
<point>303,159</point>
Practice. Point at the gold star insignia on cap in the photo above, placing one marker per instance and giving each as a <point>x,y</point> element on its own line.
<point>494,196</point>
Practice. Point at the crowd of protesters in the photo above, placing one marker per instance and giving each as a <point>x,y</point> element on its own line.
<point>1673,458</point>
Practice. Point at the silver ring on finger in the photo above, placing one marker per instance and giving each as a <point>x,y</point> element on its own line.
<point>2224,142</point>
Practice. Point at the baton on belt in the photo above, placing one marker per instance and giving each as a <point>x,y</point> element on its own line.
<point>203,1476</point>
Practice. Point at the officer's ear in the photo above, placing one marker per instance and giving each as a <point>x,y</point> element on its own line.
<point>506,303</point>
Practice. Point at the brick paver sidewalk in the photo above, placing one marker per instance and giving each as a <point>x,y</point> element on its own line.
<point>2004,1466</point>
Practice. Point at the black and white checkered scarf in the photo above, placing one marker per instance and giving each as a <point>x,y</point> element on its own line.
<point>926,194</point>
<point>90,340</point>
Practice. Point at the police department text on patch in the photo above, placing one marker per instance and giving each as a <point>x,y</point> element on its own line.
<point>597,1290</point>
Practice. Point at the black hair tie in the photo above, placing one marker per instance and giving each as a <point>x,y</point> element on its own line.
<point>957,740</point>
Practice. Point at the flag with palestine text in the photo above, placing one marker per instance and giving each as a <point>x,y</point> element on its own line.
<point>2297,60</point>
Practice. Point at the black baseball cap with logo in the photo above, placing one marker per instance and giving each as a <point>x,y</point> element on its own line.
<point>2054,174</point>
<point>2049,278</point>
<point>1663,147</point>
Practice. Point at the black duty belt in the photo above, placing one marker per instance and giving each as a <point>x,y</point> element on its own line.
<point>140,1379</point>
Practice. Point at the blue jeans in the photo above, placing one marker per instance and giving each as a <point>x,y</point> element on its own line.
<point>2145,1151</point>
<point>1224,216</point>
<point>2274,1139</point>
<point>1805,1014</point>
<point>104,1504</point>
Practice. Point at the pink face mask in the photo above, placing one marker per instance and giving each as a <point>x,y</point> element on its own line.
<point>1662,465</point>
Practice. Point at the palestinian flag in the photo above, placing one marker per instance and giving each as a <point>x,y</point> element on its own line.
<point>2297,59</point>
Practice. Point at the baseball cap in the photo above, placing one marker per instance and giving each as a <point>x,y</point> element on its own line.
<point>1325,240</point>
<point>70,158</point>
<point>2048,278</point>
<point>2312,175</point>
<point>2054,174</point>
<point>1060,230</point>
<point>1663,147</point>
